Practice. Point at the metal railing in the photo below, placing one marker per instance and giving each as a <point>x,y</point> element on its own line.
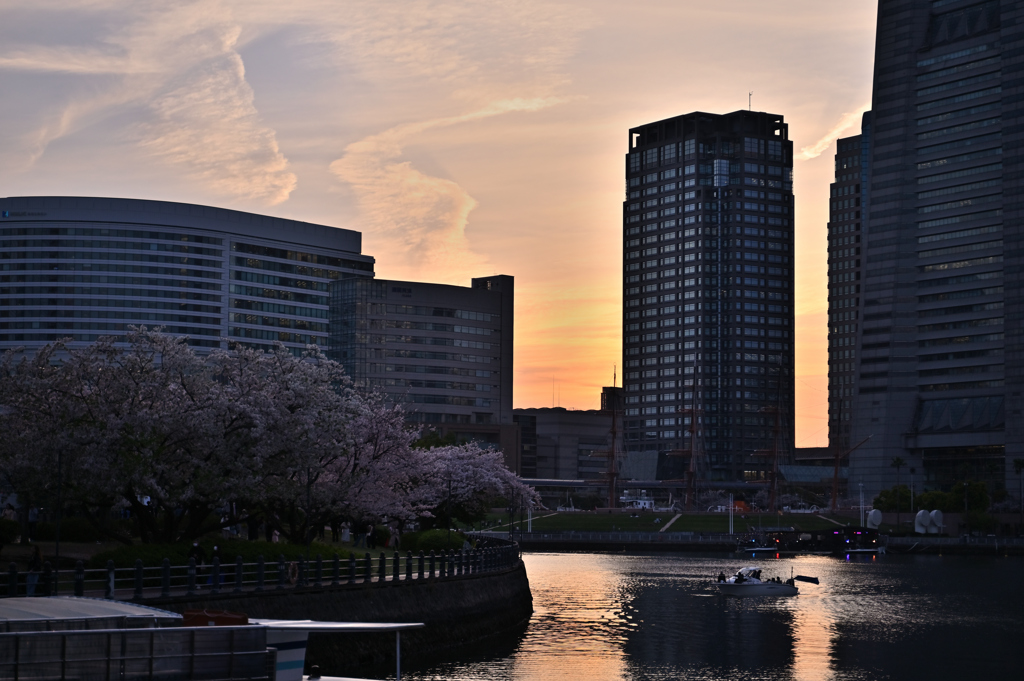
<point>623,537</point>
<point>142,583</point>
<point>145,654</point>
<point>965,540</point>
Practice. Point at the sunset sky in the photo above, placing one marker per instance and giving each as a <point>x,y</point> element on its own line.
<point>461,138</point>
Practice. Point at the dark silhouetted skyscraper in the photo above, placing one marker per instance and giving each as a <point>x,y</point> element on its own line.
<point>938,359</point>
<point>708,293</point>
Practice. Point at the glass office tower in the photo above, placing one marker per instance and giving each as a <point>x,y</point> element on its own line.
<point>708,294</point>
<point>939,357</point>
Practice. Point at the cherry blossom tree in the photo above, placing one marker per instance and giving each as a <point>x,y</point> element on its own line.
<point>465,480</point>
<point>188,441</point>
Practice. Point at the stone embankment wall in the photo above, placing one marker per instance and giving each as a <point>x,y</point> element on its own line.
<point>457,611</point>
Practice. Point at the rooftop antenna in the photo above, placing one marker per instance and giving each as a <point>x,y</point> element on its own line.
<point>750,99</point>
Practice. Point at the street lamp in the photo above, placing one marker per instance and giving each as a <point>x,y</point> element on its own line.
<point>861,484</point>
<point>965,503</point>
<point>448,508</point>
<point>56,559</point>
<point>1018,467</point>
<point>912,471</point>
<point>897,463</point>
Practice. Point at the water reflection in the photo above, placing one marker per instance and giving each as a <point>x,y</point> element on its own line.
<point>607,617</point>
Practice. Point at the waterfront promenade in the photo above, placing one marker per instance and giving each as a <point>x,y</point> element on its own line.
<point>464,597</point>
<point>727,543</point>
<point>152,584</point>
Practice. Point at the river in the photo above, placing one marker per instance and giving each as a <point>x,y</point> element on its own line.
<point>611,617</point>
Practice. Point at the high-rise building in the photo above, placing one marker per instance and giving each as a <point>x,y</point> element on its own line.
<point>940,363</point>
<point>844,275</point>
<point>708,294</point>
<point>443,352</point>
<point>81,268</point>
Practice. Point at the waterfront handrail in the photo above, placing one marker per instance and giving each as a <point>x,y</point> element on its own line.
<point>626,537</point>
<point>141,583</point>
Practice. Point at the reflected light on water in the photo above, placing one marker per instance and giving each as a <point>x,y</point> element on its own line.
<point>612,617</point>
<point>578,628</point>
<point>813,633</point>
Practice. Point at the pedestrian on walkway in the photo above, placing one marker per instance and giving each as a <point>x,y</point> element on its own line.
<point>35,567</point>
<point>33,520</point>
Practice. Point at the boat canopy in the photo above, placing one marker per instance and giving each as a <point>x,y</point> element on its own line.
<point>75,612</point>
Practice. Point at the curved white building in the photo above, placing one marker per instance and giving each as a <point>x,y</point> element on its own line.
<point>81,268</point>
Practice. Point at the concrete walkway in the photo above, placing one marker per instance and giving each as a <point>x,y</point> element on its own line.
<point>669,523</point>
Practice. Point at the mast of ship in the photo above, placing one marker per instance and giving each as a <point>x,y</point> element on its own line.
<point>696,456</point>
<point>613,466</point>
<point>839,455</point>
<point>696,443</point>
<point>774,451</point>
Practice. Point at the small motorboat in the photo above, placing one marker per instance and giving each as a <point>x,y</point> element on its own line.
<point>749,582</point>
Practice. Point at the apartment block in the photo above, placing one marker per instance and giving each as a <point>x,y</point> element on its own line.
<point>708,294</point>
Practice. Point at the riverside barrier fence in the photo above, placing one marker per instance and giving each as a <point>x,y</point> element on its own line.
<point>709,538</point>
<point>140,583</point>
<point>962,544</point>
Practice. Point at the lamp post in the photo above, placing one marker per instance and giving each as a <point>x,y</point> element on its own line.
<point>897,463</point>
<point>448,508</point>
<point>56,560</point>
<point>912,471</point>
<point>1018,467</point>
<point>965,504</point>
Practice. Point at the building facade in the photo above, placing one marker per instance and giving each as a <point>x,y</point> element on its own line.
<point>708,293</point>
<point>570,444</point>
<point>844,276</point>
<point>81,268</point>
<point>941,365</point>
<point>443,352</point>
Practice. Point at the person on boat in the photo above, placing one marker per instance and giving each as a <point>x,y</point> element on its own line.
<point>721,576</point>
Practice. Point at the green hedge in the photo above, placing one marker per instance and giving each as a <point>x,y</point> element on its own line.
<point>79,530</point>
<point>152,555</point>
<point>9,531</point>
<point>432,540</point>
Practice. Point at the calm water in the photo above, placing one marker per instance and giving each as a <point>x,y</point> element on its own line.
<point>601,617</point>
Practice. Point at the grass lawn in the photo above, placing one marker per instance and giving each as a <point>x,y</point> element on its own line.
<point>689,522</point>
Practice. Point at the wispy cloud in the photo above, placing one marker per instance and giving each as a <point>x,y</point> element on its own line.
<point>64,60</point>
<point>207,123</point>
<point>180,64</point>
<point>205,119</point>
<point>846,121</point>
<point>177,67</point>
<point>418,219</point>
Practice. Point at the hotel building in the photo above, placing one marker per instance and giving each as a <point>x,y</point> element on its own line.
<point>81,268</point>
<point>708,294</point>
<point>443,352</point>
